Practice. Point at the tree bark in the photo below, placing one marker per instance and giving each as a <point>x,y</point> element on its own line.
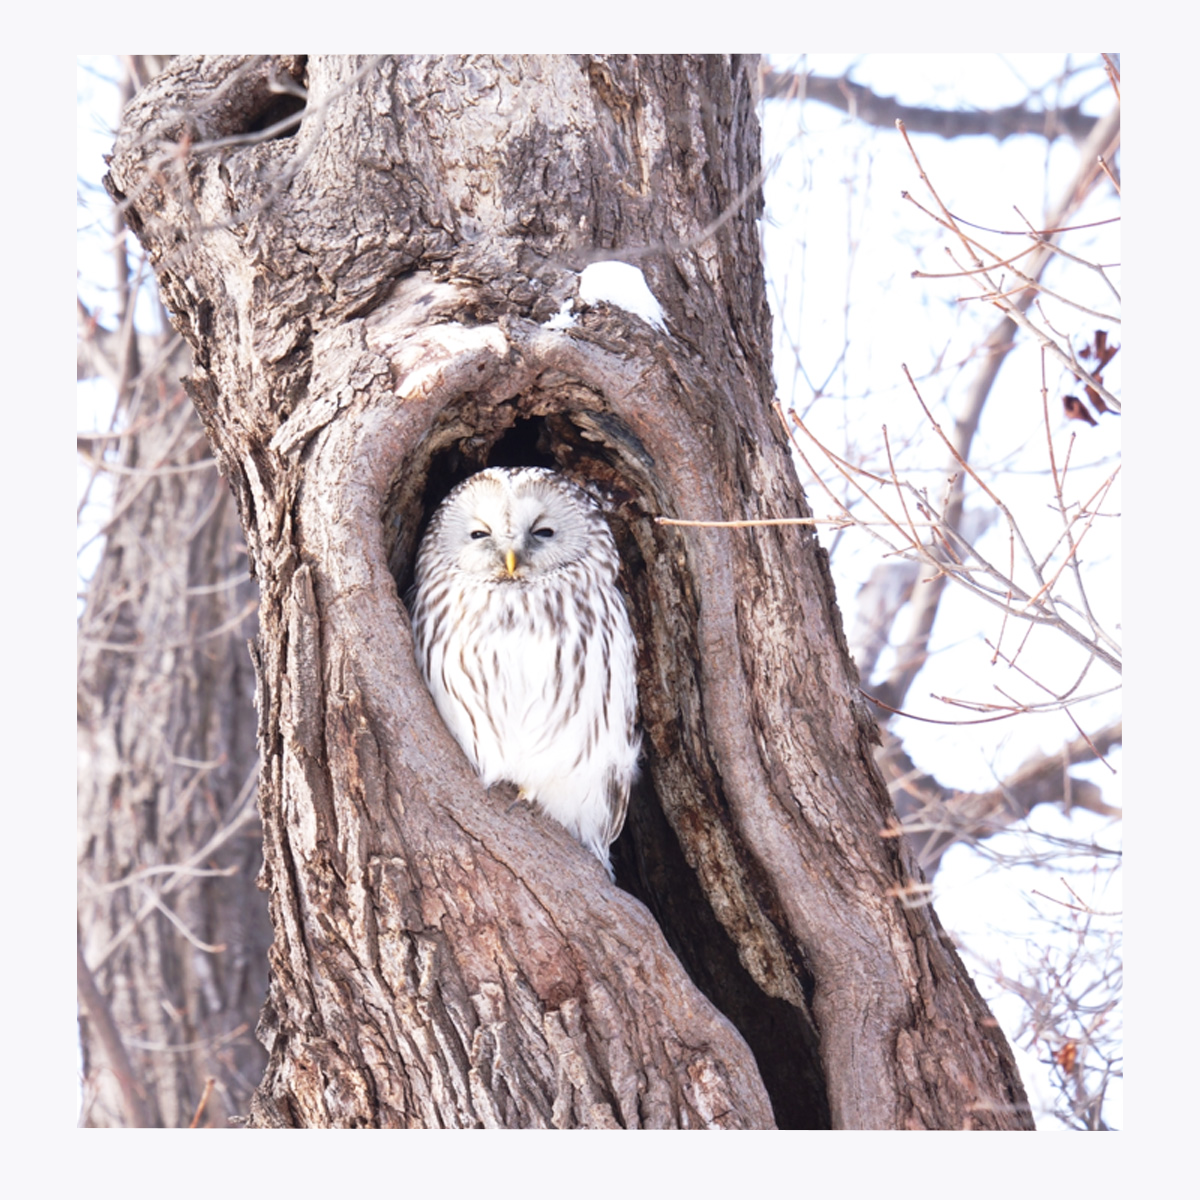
<point>173,933</point>
<point>366,283</point>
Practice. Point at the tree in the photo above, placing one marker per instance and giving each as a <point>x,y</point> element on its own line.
<point>365,257</point>
<point>173,934</point>
<point>1012,627</point>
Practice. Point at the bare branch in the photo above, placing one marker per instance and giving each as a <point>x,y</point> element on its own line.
<point>936,817</point>
<point>96,1007</point>
<point>926,597</point>
<point>864,105</point>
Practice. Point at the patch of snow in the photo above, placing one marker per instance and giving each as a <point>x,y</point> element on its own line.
<point>563,319</point>
<point>623,285</point>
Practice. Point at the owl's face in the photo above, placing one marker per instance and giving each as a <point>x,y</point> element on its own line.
<point>516,525</point>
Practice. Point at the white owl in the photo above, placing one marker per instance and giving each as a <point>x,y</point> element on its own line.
<point>525,644</point>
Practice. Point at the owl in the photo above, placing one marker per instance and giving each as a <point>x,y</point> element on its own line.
<point>525,644</point>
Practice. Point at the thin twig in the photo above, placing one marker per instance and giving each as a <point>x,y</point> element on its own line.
<point>99,1013</point>
<point>208,1087</point>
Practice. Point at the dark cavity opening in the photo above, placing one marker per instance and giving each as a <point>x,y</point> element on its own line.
<point>277,110</point>
<point>271,103</point>
<point>650,865</point>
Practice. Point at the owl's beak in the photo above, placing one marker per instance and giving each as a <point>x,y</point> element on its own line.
<point>510,562</point>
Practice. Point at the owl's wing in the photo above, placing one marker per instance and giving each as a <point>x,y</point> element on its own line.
<point>618,805</point>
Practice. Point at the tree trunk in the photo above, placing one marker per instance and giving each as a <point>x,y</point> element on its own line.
<point>364,255</point>
<point>173,933</point>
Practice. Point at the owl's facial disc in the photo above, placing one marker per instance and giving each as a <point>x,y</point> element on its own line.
<point>516,537</point>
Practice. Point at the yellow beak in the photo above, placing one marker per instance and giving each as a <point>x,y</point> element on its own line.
<point>510,562</point>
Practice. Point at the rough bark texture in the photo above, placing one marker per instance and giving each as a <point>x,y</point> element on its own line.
<point>365,293</point>
<point>173,933</point>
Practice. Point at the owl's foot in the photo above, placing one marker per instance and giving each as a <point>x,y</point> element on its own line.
<point>508,794</point>
<point>523,797</point>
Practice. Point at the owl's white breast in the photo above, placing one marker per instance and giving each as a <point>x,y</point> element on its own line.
<point>536,680</point>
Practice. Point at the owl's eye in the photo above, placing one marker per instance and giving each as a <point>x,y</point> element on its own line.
<point>544,532</point>
<point>479,533</point>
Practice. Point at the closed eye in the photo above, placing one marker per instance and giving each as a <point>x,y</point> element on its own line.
<point>544,532</point>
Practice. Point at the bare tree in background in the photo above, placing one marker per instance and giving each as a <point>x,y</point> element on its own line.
<point>173,932</point>
<point>1023,579</point>
<point>367,329</point>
